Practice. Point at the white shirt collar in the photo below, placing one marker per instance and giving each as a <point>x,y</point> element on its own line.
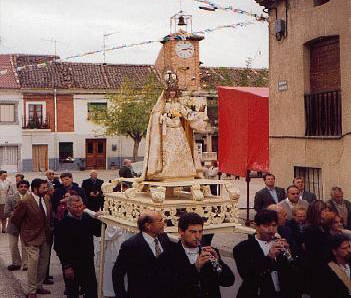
<point>192,253</point>
<point>151,242</point>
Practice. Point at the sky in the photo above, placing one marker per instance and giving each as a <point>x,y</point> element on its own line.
<point>78,26</point>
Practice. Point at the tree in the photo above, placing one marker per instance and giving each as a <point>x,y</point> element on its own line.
<point>127,112</point>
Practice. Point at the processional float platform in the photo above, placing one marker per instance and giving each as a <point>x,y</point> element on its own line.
<point>171,199</point>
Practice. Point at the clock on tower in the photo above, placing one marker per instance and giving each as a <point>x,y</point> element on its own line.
<point>180,52</point>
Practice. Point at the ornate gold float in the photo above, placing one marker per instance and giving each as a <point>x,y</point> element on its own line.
<point>172,198</point>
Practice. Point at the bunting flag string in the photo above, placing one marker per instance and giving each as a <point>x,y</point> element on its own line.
<point>174,36</point>
<point>235,10</point>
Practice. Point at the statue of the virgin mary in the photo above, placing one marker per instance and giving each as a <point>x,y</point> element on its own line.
<point>170,151</point>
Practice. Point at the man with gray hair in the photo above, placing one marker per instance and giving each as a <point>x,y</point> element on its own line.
<point>74,246</point>
<point>340,206</point>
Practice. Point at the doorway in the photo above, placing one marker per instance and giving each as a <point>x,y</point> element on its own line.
<point>40,158</point>
<point>95,153</point>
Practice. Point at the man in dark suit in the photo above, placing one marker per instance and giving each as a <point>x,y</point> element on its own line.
<point>139,259</point>
<point>334,278</point>
<point>93,192</point>
<point>52,179</point>
<point>195,271</point>
<point>308,196</point>
<point>75,248</point>
<point>268,195</point>
<point>340,206</point>
<point>33,218</point>
<point>262,263</point>
<point>13,233</point>
<point>296,226</point>
<point>67,185</point>
<point>126,171</point>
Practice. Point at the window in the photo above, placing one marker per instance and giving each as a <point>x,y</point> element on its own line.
<point>313,179</point>
<point>323,112</point>
<point>66,152</point>
<point>96,107</point>
<point>36,117</point>
<point>319,2</point>
<point>35,111</point>
<point>324,64</point>
<point>7,112</point>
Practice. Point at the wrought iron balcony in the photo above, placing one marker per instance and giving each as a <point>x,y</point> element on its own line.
<point>323,114</point>
<point>36,122</point>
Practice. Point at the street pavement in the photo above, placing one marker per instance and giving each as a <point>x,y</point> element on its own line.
<point>13,284</point>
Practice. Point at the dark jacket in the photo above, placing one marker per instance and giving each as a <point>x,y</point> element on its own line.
<point>61,191</point>
<point>309,196</point>
<point>296,236</point>
<point>186,282</point>
<point>330,285</point>
<point>145,276</point>
<point>74,243</point>
<point>126,172</point>
<point>255,270</point>
<point>332,205</point>
<point>94,203</point>
<point>55,182</point>
<point>263,198</point>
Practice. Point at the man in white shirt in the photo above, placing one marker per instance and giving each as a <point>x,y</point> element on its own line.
<point>263,262</point>
<point>139,259</point>
<point>195,271</point>
<point>293,200</point>
<point>5,190</point>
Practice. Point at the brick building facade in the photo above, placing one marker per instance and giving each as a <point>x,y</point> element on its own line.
<point>50,125</point>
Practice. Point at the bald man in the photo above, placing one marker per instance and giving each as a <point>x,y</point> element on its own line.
<point>283,230</point>
<point>93,192</point>
<point>140,259</point>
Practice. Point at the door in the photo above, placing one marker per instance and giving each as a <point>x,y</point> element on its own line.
<point>9,158</point>
<point>40,158</point>
<point>95,153</point>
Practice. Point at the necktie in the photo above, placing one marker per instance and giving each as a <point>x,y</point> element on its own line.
<point>41,207</point>
<point>157,248</point>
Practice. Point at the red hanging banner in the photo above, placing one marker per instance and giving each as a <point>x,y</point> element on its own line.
<point>243,116</point>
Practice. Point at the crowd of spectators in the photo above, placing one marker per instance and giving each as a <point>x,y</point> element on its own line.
<point>301,246</point>
<point>300,249</point>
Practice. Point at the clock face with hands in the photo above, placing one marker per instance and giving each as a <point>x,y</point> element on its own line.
<point>184,49</point>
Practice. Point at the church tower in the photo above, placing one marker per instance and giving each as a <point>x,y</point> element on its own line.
<point>180,53</point>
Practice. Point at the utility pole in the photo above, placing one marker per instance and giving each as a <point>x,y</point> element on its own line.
<point>104,37</point>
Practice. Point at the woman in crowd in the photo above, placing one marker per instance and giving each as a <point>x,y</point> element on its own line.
<point>316,243</point>
<point>337,227</point>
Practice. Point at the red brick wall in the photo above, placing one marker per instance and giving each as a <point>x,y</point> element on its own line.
<point>65,113</point>
<point>325,65</point>
<point>65,110</point>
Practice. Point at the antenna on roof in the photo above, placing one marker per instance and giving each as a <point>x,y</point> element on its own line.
<point>104,36</point>
<point>54,41</point>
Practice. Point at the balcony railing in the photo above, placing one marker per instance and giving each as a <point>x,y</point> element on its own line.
<point>42,122</point>
<point>208,156</point>
<point>323,114</point>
